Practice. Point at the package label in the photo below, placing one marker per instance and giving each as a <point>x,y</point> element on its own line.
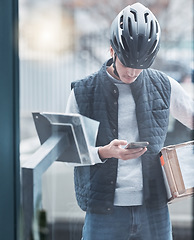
<point>185,156</point>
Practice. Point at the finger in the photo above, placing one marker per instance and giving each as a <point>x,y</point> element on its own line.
<point>117,142</point>
<point>133,155</point>
<point>133,150</point>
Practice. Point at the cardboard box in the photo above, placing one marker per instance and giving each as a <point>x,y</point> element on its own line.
<point>177,163</point>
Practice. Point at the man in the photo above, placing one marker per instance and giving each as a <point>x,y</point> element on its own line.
<point>124,196</point>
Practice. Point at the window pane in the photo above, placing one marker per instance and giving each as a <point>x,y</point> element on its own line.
<point>63,41</point>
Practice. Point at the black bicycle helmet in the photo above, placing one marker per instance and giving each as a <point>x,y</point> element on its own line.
<point>135,36</point>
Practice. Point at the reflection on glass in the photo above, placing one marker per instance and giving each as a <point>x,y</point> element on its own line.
<point>60,42</point>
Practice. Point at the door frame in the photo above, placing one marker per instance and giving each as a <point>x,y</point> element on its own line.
<point>9,121</point>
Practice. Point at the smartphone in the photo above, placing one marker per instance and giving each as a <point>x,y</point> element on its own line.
<point>137,145</point>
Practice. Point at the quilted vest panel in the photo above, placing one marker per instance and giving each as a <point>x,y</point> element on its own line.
<point>97,98</point>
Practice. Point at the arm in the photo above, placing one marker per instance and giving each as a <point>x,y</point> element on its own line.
<point>72,106</point>
<point>181,104</point>
<point>114,148</point>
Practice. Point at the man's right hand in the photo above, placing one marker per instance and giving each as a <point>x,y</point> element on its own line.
<point>114,149</point>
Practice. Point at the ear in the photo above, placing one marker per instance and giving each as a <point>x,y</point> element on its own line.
<point>111,51</point>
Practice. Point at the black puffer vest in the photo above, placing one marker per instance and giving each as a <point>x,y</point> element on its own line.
<point>97,98</point>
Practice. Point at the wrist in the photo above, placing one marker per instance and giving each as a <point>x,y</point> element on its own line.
<point>103,153</point>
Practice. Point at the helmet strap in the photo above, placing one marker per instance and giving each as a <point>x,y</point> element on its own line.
<point>114,65</point>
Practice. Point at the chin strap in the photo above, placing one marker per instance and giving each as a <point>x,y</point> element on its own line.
<point>114,66</point>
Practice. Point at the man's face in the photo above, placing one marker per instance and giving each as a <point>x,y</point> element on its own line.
<point>126,74</point>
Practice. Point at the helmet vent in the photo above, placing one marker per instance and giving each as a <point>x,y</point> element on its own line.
<point>146,17</point>
<point>152,48</point>
<point>124,44</point>
<point>130,27</point>
<point>151,30</point>
<point>140,41</point>
<point>121,22</point>
<point>134,14</point>
<point>156,27</point>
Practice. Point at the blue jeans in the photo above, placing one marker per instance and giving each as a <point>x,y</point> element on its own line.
<point>127,223</point>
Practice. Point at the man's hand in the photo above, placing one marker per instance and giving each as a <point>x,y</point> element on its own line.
<point>115,149</point>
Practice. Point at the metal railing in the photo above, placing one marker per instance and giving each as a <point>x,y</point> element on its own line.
<point>32,172</point>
